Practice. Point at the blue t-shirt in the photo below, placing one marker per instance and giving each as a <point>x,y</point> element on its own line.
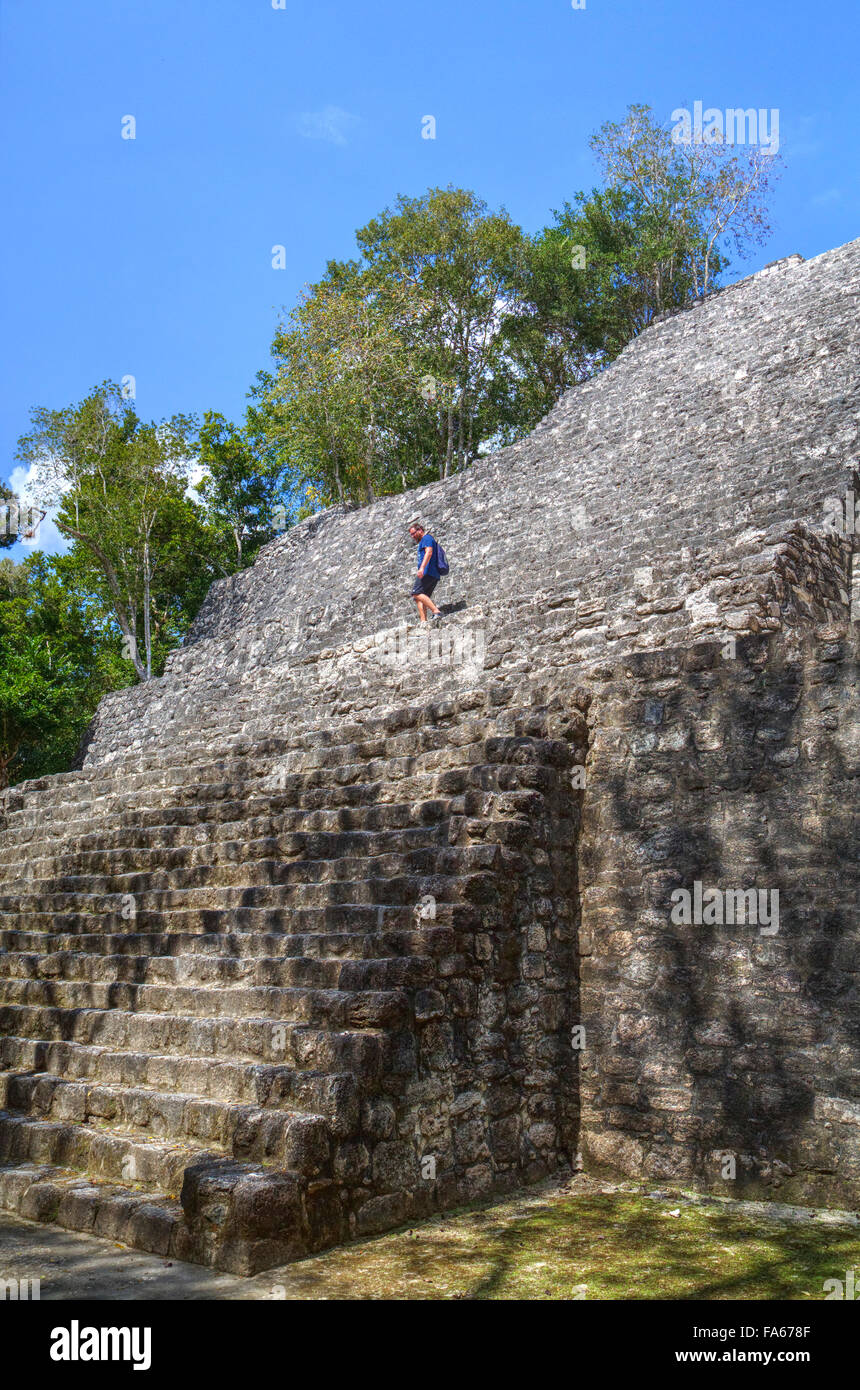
<point>428,543</point>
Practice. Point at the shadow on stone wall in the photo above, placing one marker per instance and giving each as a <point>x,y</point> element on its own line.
<point>734,1054</point>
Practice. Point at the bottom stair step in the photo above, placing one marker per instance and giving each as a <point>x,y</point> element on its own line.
<point>144,1220</point>
<point>230,1216</point>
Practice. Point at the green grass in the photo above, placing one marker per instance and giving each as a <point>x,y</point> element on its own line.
<point>618,1243</point>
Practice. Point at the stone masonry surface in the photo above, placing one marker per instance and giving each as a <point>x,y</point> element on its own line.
<point>340,922</point>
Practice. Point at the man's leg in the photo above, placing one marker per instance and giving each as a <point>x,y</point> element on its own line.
<point>425,606</point>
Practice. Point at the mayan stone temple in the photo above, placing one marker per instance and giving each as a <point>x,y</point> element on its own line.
<point>311,944</point>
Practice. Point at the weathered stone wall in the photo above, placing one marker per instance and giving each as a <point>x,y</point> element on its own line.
<point>714,1041</point>
<point>481,1080</point>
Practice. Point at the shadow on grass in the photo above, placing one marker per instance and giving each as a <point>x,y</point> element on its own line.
<point>631,1248</point>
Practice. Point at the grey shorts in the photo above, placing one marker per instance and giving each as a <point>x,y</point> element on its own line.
<point>425,585</point>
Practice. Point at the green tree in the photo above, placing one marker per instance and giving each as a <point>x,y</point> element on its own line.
<point>393,370</point>
<point>588,284</point>
<point>241,489</point>
<point>343,388</point>
<point>55,664</point>
<point>121,486</point>
<point>35,692</point>
<point>654,239</point>
<point>459,260</point>
<point>697,201</point>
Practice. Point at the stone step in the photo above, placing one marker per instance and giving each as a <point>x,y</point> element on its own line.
<point>362,806</point>
<point>181,847</point>
<point>212,781</point>
<point>203,784</point>
<point>210,800</point>
<point>250,872</point>
<point>227,868</point>
<point>218,963</point>
<point>364,944</point>
<point>399,890</point>
<point>360,1048</point>
<point>381,812</point>
<point>294,1140</point>
<point>125,1215</point>
<point>288,921</point>
<point>237,1217</point>
<point>393,972</point>
<point>330,1008</point>
<point>251,818</point>
<point>318,730</point>
<point>100,1151</point>
<point>332,1094</point>
<point>168,765</point>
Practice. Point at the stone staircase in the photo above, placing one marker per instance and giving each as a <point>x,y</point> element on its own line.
<point>213,979</point>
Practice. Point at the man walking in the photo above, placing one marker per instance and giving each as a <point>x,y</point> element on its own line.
<point>428,573</point>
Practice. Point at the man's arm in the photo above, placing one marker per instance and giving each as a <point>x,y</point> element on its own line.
<point>428,550</point>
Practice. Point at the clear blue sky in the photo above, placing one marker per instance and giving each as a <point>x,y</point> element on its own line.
<point>259,126</point>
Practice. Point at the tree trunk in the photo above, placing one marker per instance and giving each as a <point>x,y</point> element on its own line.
<point>449,447</point>
<point>113,584</point>
<point>6,760</point>
<point>368,461</point>
<point>147,624</point>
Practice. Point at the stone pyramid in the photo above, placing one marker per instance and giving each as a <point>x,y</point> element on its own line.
<point>341,921</point>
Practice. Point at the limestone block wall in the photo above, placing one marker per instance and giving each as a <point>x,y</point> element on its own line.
<point>479,1090</point>
<point>727,1052</point>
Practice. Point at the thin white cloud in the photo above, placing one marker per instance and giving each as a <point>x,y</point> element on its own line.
<point>830,195</point>
<point>332,124</point>
<point>47,537</point>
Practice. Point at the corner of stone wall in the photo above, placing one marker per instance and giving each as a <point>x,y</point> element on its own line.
<point>488,1097</point>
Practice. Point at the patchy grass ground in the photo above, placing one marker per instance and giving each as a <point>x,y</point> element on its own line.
<point>593,1241</point>
<point>586,1239</point>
